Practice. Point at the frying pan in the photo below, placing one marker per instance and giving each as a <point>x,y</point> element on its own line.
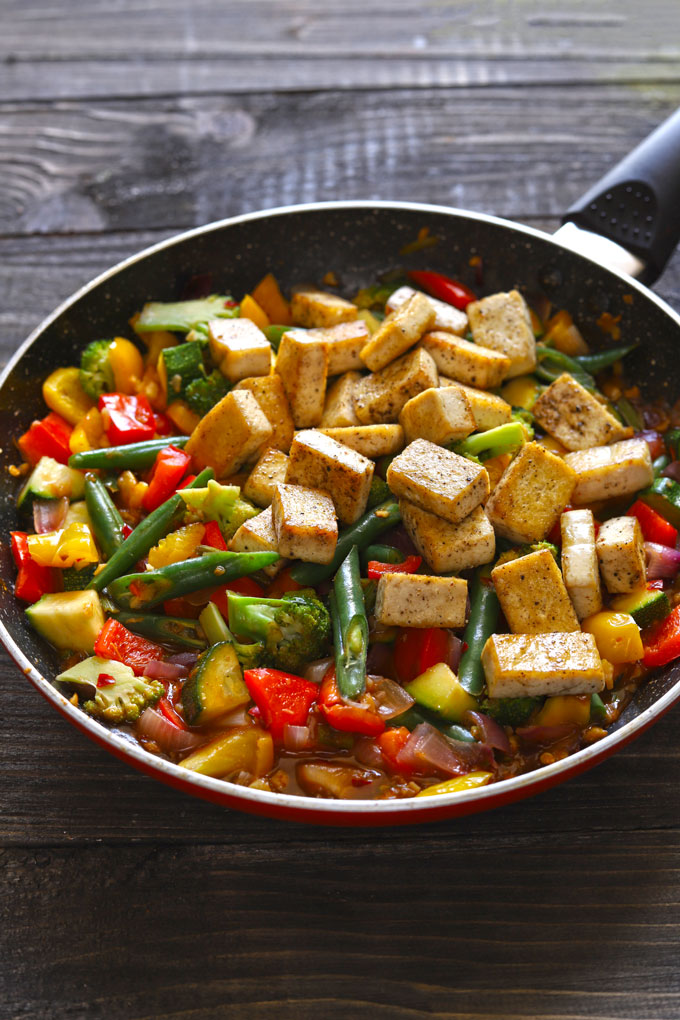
<point>634,214</point>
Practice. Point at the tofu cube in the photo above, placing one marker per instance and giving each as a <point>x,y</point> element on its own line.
<point>528,665</point>
<point>449,547</point>
<point>230,434</point>
<point>531,494</point>
<point>440,415</point>
<point>270,469</point>
<point>446,317</point>
<point>620,550</point>
<point>488,410</point>
<point>269,392</point>
<point>344,343</point>
<point>302,363</point>
<point>400,330</point>
<point>371,440</point>
<point>438,480</point>
<point>239,348</point>
<point>379,397</point>
<point>573,416</point>
<point>318,308</point>
<point>579,562</point>
<point>420,600</point>
<point>258,535</point>
<point>466,362</point>
<point>502,323</point>
<point>533,595</point>
<point>607,471</point>
<point>305,524</point>
<point>338,409</point>
<point>323,463</point>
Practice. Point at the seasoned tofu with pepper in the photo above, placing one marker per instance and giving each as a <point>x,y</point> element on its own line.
<point>319,308</point>
<point>270,469</point>
<point>533,595</point>
<point>502,323</point>
<point>531,494</point>
<point>579,562</point>
<point>420,600</point>
<point>239,348</point>
<point>269,392</point>
<point>440,415</point>
<point>344,343</point>
<point>258,535</point>
<point>400,330</point>
<point>530,665</point>
<point>438,480</point>
<point>620,551</point>
<point>338,409</point>
<point>449,547</point>
<point>466,362</point>
<point>324,463</point>
<point>573,416</point>
<point>607,471</point>
<point>446,317</point>
<point>488,410</point>
<point>379,397</point>
<point>370,440</point>
<point>305,523</point>
<point>230,434</point>
<point>302,363</point>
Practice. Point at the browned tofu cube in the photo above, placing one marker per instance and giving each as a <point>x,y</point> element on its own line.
<point>488,410</point>
<point>573,416</point>
<point>466,362</point>
<point>620,548</point>
<point>371,440</point>
<point>531,495</point>
<point>502,323</point>
<point>533,595</point>
<point>302,363</point>
<point>379,397</point>
<point>420,600</point>
<point>269,392</point>
<point>400,330</point>
<point>270,469</point>
<point>449,547</point>
<point>230,434</point>
<point>258,535</point>
<point>440,415</point>
<point>338,410</point>
<point>239,348</point>
<point>446,317</point>
<point>528,665</point>
<point>344,343</point>
<point>607,471</point>
<point>305,523</point>
<point>438,480</point>
<point>319,308</point>
<point>323,463</point>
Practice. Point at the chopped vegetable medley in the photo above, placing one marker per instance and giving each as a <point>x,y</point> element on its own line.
<point>396,546</point>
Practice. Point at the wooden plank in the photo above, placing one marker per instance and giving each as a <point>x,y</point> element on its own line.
<point>176,163</point>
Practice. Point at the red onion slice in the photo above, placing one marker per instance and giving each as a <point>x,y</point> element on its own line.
<point>455,651</point>
<point>367,752</point>
<point>315,671</point>
<point>296,738</point>
<point>492,733</point>
<point>427,751</point>
<point>187,659</point>
<point>152,725</point>
<point>49,514</point>
<point>545,736</point>
<point>390,697</point>
<point>159,669</point>
<point>672,471</point>
<point>662,560</point>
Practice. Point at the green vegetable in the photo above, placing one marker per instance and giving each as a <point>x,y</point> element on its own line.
<point>122,701</point>
<point>180,366</point>
<point>147,533</point>
<point>378,493</point>
<point>507,438</point>
<point>526,418</point>
<point>663,495</point>
<point>482,623</point>
<point>107,524</point>
<point>50,480</point>
<point>147,589</point>
<point>439,689</point>
<point>96,373</point>
<point>378,294</point>
<point>214,687</point>
<point>70,620</point>
<point>132,457</point>
<point>552,363</point>
<point>292,630</point>
<point>174,630</point>
<point>510,711</point>
<point>350,627</point>
<point>598,710</point>
<point>629,414</point>
<point>274,334</point>
<point>646,607</point>
<point>594,363</point>
<point>183,316</point>
<point>221,503</point>
<point>216,630</point>
<point>412,717</point>
<point>381,553</point>
<point>672,439</point>
<point>202,394</point>
<point>361,533</point>
<point>660,464</point>
<point>74,579</point>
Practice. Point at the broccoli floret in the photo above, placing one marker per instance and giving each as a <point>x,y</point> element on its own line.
<point>202,394</point>
<point>96,374</point>
<point>293,629</point>
<point>184,316</point>
<point>378,493</point>
<point>114,693</point>
<point>221,503</point>
<point>510,711</point>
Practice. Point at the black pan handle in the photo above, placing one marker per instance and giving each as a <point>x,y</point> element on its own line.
<point>637,204</point>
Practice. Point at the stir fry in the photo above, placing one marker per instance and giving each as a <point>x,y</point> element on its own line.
<point>401,545</point>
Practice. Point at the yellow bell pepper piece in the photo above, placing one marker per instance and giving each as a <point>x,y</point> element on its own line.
<point>152,389</point>
<point>617,636</point>
<point>251,310</point>
<point>563,709</point>
<point>64,395</point>
<point>64,548</point>
<point>522,391</point>
<point>268,296</point>
<point>131,491</point>
<point>552,445</point>
<point>182,416</point>
<point>564,336</point>
<point>177,546</point>
<point>88,433</point>
<point>244,748</point>
<point>157,342</point>
<point>469,782</point>
<point>127,365</point>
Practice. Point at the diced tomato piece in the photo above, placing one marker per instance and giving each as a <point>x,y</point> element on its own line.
<point>348,716</point>
<point>655,528</point>
<point>127,418</point>
<point>168,470</point>
<point>282,698</point>
<point>47,438</point>
<point>117,642</point>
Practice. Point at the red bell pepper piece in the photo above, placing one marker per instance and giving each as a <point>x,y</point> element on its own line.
<point>443,287</point>
<point>390,743</point>
<point>416,649</point>
<point>282,698</point>
<point>127,419</point>
<point>348,716</point>
<point>33,581</point>
<point>117,642</point>
<point>168,470</point>
<point>241,586</point>
<point>214,537</point>
<point>47,438</point>
<point>187,481</point>
<point>282,583</point>
<point>181,607</point>
<point>662,641</point>
<point>166,709</point>
<point>376,568</point>
<point>655,528</point>
<point>164,425</point>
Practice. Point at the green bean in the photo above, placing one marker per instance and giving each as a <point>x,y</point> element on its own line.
<point>381,553</point>
<point>361,533</point>
<point>175,630</point>
<point>146,534</point>
<point>558,360</point>
<point>413,717</point>
<point>595,363</point>
<point>350,628</point>
<point>130,457</point>
<point>484,610</point>
<point>107,523</point>
<point>630,414</point>
<point>148,588</point>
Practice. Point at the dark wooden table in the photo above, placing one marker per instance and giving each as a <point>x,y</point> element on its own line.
<point>122,123</point>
